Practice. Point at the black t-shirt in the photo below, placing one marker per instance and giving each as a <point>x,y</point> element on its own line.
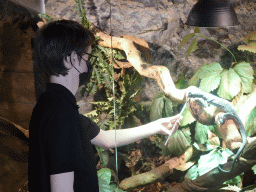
<point>59,142</point>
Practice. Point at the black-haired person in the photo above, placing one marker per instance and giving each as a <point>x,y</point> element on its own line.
<point>61,157</point>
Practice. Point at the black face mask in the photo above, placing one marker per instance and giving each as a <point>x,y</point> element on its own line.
<point>85,77</point>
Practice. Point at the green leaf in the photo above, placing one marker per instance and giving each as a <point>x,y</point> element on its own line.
<point>195,79</point>
<point>211,160</point>
<point>178,143</point>
<point>201,133</point>
<point>254,169</point>
<point>210,77</point>
<point>168,107</point>
<point>210,83</point>
<point>250,126</point>
<point>193,47</point>
<point>104,176</point>
<point>197,30</point>
<point>186,39</point>
<point>245,72</point>
<point>104,156</point>
<point>187,134</point>
<point>187,118</point>
<point>230,84</point>
<point>181,83</point>
<point>192,173</point>
<point>209,69</point>
<point>157,106</point>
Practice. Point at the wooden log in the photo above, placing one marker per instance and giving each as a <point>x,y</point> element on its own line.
<point>160,172</point>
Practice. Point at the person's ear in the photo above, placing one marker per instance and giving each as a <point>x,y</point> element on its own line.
<point>74,58</point>
<point>71,60</point>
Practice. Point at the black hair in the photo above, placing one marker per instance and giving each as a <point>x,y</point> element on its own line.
<point>57,40</point>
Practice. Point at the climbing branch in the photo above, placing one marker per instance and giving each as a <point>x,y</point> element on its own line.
<point>160,73</point>
<point>160,172</point>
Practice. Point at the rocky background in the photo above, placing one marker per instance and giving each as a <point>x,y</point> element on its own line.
<point>160,22</point>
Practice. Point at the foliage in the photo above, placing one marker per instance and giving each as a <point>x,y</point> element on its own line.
<point>250,40</point>
<point>105,183</point>
<point>46,17</point>
<point>161,107</point>
<point>233,83</point>
<point>102,76</point>
<point>125,109</point>
<point>80,8</point>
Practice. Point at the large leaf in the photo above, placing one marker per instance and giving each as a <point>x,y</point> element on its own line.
<point>160,107</point>
<point>195,79</point>
<point>251,123</point>
<point>192,173</point>
<point>104,176</point>
<point>210,83</point>
<point>156,108</point>
<point>211,160</point>
<point>178,143</point>
<point>245,72</point>
<point>186,39</point>
<point>168,107</point>
<point>207,70</point>
<point>187,118</point>
<point>230,84</point>
<point>193,47</point>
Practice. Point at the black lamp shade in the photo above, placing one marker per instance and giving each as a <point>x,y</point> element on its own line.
<point>212,13</point>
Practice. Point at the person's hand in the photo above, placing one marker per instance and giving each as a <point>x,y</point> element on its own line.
<point>168,125</point>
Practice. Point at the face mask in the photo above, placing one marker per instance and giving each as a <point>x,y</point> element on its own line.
<point>85,77</point>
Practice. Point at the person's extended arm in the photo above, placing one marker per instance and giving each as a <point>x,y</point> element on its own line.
<point>62,182</point>
<point>107,139</point>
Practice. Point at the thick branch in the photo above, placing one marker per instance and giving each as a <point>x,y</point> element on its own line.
<point>214,179</point>
<point>160,172</point>
<point>160,73</point>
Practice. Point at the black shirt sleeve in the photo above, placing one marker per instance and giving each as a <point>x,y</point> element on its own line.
<point>91,127</point>
<point>60,145</point>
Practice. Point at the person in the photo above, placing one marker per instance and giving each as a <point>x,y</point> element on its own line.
<point>61,156</point>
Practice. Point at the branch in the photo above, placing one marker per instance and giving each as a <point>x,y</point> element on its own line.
<point>213,180</point>
<point>160,172</point>
<point>160,73</point>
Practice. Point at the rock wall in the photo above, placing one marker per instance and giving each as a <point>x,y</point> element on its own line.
<point>162,24</point>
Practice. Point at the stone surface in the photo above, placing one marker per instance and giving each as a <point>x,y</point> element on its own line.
<point>162,24</point>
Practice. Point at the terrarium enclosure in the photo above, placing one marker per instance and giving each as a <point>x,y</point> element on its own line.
<point>148,60</point>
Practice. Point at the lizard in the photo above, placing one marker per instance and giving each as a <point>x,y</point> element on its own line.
<point>205,100</point>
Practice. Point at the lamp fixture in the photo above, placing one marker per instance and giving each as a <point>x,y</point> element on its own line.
<point>212,13</point>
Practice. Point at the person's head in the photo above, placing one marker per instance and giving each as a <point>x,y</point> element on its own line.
<point>55,41</point>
